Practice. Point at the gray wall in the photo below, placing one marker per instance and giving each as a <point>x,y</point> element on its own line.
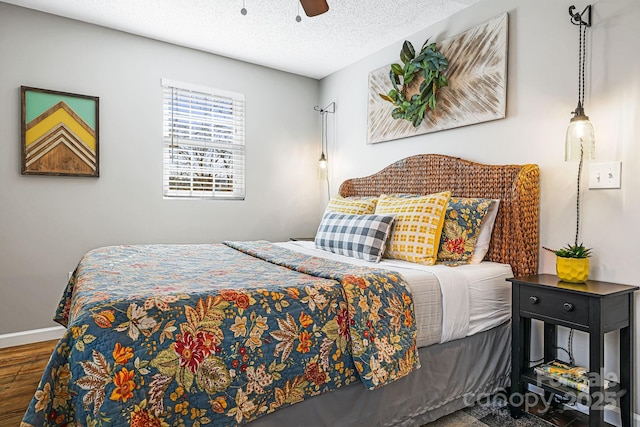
<point>47,223</point>
<point>542,91</point>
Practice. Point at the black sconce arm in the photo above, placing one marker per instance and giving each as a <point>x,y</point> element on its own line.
<point>580,18</point>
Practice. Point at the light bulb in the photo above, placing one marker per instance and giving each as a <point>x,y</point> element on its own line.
<point>580,129</point>
<point>323,161</point>
<point>322,167</point>
<point>580,140</point>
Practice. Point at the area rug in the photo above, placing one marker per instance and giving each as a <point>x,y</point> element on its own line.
<point>493,414</point>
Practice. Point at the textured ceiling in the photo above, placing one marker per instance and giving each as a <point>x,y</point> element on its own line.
<point>268,34</point>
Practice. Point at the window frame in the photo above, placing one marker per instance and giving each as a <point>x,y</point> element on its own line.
<point>203,140</point>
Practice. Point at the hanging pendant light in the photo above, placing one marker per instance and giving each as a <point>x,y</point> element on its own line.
<point>580,138</point>
<point>323,162</point>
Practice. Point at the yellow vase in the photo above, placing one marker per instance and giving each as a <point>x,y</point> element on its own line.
<point>573,270</point>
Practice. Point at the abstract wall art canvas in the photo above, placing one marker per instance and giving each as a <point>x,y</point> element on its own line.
<point>476,93</point>
<point>59,134</point>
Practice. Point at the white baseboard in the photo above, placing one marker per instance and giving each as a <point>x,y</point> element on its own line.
<point>30,337</point>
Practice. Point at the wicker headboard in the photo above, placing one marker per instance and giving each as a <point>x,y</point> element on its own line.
<point>515,235</point>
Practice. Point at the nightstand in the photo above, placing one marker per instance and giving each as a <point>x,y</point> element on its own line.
<point>594,307</point>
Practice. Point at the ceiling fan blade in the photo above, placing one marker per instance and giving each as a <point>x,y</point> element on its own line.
<point>314,7</point>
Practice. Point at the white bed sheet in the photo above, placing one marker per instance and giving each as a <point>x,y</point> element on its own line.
<point>475,297</point>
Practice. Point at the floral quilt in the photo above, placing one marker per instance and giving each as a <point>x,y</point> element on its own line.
<point>192,335</point>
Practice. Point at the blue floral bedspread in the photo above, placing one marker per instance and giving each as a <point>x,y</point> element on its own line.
<point>193,335</point>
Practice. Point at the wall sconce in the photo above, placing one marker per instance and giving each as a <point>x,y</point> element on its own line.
<point>580,139</point>
<point>323,162</point>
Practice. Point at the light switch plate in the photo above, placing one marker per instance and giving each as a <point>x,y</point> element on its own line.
<point>605,174</point>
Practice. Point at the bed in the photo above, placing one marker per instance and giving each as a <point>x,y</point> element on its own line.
<point>273,334</point>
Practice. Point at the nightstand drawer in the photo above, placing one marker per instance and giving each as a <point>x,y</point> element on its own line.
<point>554,305</point>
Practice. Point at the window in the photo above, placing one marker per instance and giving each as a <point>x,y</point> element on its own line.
<point>203,132</point>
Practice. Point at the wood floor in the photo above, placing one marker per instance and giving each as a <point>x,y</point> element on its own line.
<point>20,371</point>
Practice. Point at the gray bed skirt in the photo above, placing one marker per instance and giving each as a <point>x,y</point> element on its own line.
<point>453,375</point>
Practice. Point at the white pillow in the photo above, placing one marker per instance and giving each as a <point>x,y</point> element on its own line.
<point>484,237</point>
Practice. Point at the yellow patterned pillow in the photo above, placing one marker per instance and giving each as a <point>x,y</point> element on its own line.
<point>352,205</point>
<point>419,219</point>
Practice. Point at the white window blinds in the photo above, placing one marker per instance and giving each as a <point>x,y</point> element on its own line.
<point>204,151</point>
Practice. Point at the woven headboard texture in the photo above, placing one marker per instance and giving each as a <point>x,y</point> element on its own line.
<point>515,238</point>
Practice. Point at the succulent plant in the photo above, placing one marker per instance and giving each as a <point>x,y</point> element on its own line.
<point>573,251</point>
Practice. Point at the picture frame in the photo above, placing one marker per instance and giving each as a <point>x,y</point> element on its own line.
<point>476,91</point>
<point>59,133</point>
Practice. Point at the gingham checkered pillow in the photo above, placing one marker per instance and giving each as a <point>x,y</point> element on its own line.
<point>356,236</point>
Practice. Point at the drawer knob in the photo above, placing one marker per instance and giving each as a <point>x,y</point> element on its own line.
<point>534,300</point>
<point>567,306</point>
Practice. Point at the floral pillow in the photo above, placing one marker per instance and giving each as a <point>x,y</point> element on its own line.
<point>461,228</point>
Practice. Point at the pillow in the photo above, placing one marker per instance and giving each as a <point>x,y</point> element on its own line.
<point>416,233</point>
<point>461,228</point>
<point>484,238</point>
<point>356,236</point>
<point>352,205</point>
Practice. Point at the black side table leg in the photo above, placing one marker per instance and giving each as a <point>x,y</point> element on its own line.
<point>520,352</point>
<point>627,346</point>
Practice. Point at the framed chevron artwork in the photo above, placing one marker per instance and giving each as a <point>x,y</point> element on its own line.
<point>59,133</point>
